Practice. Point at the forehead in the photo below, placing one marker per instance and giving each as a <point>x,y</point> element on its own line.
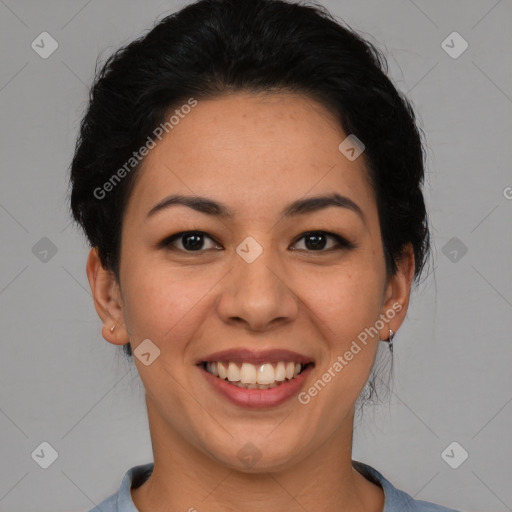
<point>253,152</point>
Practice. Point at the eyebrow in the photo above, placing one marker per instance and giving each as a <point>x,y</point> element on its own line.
<point>299,207</point>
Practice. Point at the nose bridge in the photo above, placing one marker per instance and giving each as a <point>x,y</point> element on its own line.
<point>254,274</point>
<point>257,292</point>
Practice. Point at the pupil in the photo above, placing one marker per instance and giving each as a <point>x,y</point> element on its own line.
<point>318,241</point>
<point>195,244</point>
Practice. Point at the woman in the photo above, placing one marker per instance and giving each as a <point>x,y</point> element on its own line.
<point>250,183</point>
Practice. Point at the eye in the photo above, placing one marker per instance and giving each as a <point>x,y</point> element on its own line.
<point>314,241</point>
<point>318,240</point>
<point>190,241</point>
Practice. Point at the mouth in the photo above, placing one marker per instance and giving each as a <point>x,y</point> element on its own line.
<point>256,379</point>
<point>255,376</point>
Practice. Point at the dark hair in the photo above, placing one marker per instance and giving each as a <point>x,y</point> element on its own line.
<point>214,47</point>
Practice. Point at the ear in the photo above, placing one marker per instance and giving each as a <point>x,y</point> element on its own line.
<point>107,300</point>
<point>397,293</point>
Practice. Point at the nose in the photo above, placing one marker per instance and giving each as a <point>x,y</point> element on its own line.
<point>258,295</point>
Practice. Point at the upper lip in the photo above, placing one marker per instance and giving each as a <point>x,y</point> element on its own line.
<point>239,355</point>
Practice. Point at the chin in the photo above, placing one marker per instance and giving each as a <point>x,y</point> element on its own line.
<point>256,453</point>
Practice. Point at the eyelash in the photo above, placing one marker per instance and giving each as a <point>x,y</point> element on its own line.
<point>342,243</point>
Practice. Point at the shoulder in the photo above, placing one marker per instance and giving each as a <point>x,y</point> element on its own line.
<point>121,501</point>
<point>395,499</point>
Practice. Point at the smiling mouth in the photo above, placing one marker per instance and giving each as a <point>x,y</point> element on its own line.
<point>261,376</point>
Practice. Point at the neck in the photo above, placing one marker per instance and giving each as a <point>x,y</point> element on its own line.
<point>185,478</point>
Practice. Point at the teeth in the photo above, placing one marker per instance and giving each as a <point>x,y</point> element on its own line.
<point>212,368</point>
<point>233,372</point>
<point>249,376</point>
<point>266,374</point>
<point>280,372</point>
<point>223,373</point>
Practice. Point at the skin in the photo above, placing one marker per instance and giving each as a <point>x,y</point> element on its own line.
<point>255,154</point>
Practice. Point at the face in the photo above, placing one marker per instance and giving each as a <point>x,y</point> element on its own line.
<point>264,275</point>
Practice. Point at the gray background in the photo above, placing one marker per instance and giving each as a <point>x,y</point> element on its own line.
<point>60,382</point>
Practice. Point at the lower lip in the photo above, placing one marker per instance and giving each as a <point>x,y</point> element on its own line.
<point>257,398</point>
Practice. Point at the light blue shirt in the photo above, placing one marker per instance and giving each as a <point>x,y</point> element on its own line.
<point>394,499</point>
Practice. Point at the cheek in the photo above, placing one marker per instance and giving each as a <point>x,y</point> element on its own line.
<point>348,308</point>
<point>161,303</point>
<point>346,300</point>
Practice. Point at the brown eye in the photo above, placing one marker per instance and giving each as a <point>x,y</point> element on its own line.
<point>189,241</point>
<point>319,241</point>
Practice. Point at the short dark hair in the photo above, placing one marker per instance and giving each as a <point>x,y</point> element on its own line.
<point>214,47</point>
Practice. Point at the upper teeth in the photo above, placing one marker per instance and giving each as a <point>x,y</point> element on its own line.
<point>247,373</point>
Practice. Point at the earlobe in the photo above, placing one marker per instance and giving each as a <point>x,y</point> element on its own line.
<point>107,300</point>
